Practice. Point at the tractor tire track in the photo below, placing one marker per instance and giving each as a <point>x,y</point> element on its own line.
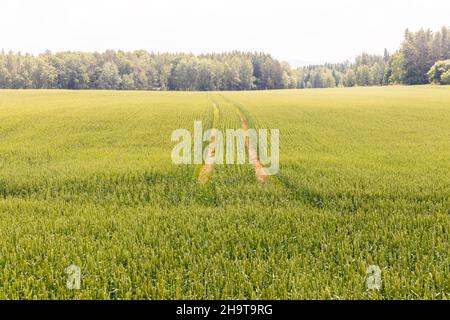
<point>207,169</point>
<point>260,172</point>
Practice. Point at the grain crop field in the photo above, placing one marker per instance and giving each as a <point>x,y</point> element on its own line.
<point>86,178</point>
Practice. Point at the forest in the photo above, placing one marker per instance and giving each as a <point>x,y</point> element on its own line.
<point>423,57</point>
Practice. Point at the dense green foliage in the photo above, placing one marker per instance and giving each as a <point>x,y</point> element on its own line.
<point>86,178</point>
<point>141,70</point>
<point>440,72</point>
<point>409,65</point>
<point>366,70</point>
<point>420,51</point>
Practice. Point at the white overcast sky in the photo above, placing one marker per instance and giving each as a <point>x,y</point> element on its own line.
<point>312,31</point>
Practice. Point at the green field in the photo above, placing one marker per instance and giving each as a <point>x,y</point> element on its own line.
<point>86,178</point>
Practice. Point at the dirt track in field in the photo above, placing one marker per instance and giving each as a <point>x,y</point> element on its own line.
<point>207,169</point>
<point>260,172</point>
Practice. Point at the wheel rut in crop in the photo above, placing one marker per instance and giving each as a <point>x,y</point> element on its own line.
<point>260,171</point>
<point>207,169</point>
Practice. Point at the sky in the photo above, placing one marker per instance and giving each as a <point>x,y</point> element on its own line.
<point>297,31</point>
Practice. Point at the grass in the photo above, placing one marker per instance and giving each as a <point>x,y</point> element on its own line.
<point>86,178</point>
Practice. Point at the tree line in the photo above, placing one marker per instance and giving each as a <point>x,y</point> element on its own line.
<point>141,70</point>
<point>424,57</point>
